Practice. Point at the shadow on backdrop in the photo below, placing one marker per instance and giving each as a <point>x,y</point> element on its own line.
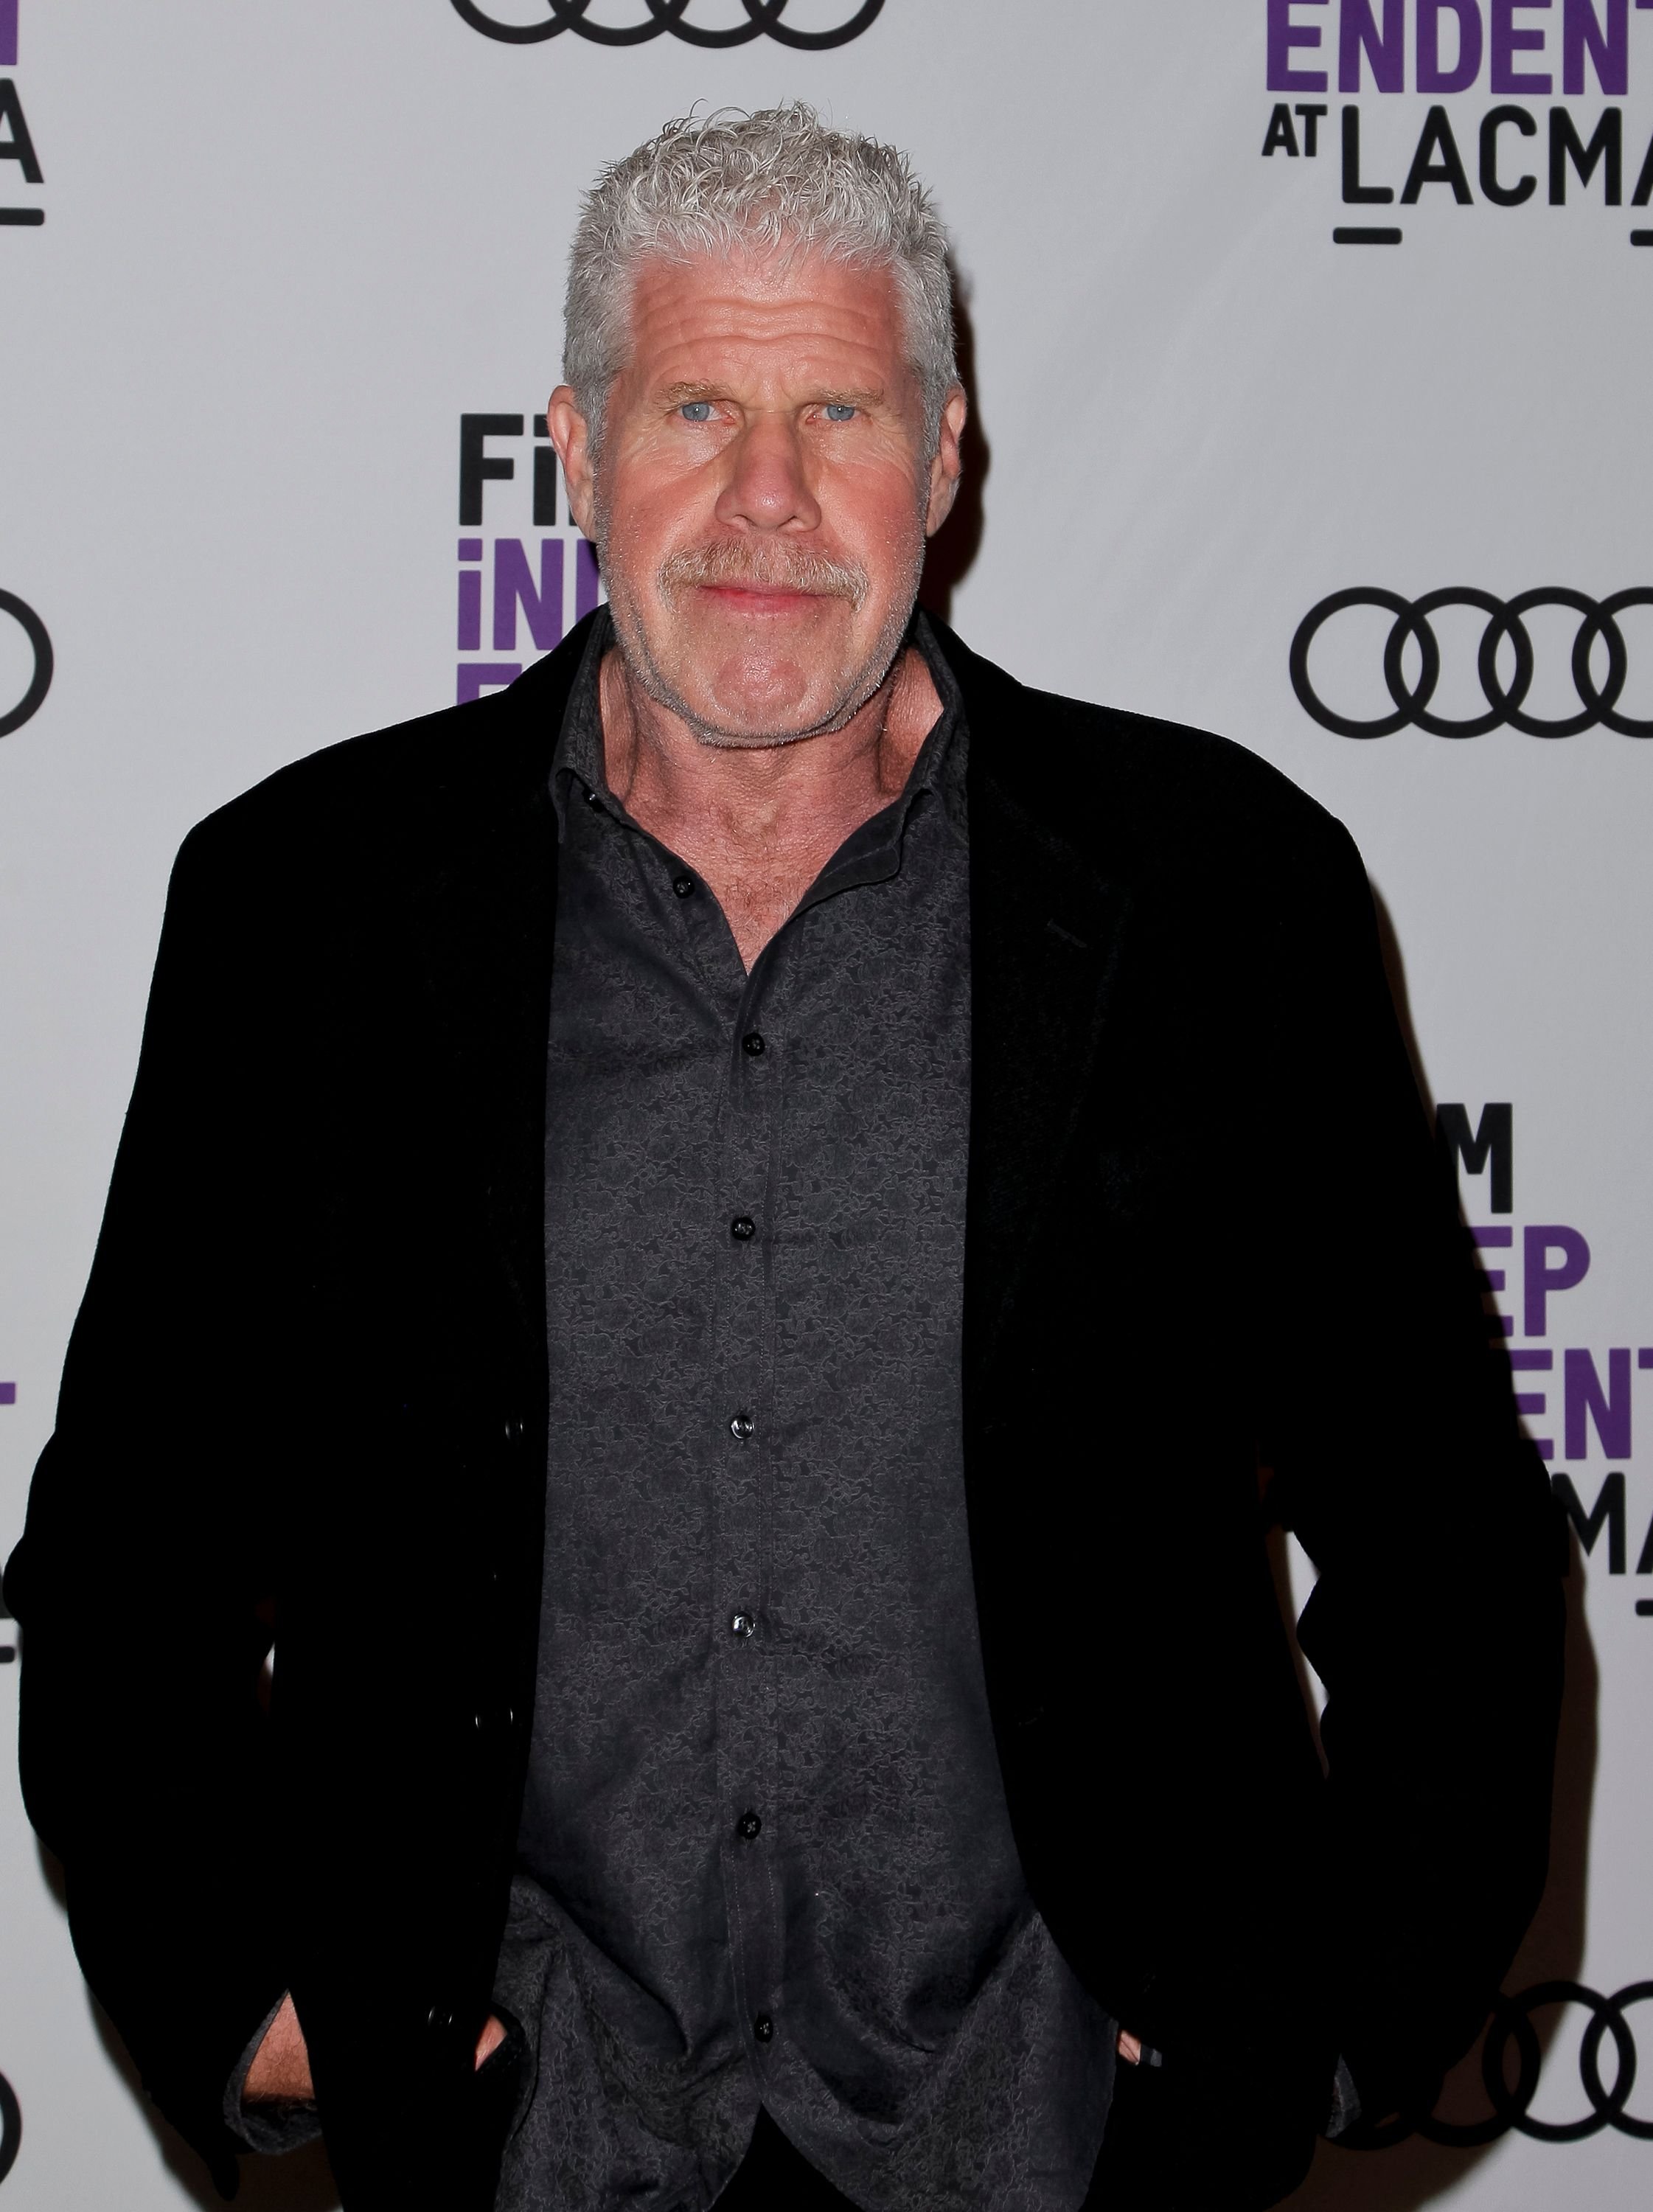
<point>952,550</point>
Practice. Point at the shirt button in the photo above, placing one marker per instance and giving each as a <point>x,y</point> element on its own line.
<point>743,1428</point>
<point>683,886</point>
<point>752,1044</point>
<point>764,2028</point>
<point>742,1624</point>
<point>747,1827</point>
<point>743,1228</point>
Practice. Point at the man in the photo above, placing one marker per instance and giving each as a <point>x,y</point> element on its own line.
<point>727,1234</point>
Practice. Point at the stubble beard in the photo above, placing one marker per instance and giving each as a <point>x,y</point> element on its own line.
<point>726,561</point>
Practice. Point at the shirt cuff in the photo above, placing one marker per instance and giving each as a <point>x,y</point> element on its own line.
<point>277,2126</point>
<point>1345,2103</point>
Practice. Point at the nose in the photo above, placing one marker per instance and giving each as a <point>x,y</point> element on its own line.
<point>767,487</point>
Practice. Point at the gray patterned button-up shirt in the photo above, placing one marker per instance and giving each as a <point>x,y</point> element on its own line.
<point>765,1855</point>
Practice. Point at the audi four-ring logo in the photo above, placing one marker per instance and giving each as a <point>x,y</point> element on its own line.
<point>763,20</point>
<point>40,682</point>
<point>11,2128</point>
<point>1598,704</point>
<point>1511,2028</point>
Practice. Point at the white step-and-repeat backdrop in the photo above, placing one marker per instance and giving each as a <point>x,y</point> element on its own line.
<point>1309,344</point>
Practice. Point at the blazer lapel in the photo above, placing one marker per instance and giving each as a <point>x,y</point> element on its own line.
<point>486,924</point>
<point>1047,922</point>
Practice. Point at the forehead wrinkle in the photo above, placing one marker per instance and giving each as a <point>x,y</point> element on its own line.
<point>798,329</point>
<point>712,297</point>
<point>766,276</point>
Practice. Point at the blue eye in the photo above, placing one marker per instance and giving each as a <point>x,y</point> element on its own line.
<point>696,410</point>
<point>838,411</point>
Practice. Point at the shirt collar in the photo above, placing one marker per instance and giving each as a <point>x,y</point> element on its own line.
<point>577,768</point>
<point>940,764</point>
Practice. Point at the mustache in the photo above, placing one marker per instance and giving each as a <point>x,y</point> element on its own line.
<point>768,566</point>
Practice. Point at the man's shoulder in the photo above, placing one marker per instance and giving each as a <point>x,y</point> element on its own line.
<point>1086,769</point>
<point>403,796</point>
<point>1169,768</point>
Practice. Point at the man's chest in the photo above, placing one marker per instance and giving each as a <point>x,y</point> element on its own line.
<point>755,1204</point>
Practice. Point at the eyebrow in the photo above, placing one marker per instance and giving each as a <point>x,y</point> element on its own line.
<point>678,395</point>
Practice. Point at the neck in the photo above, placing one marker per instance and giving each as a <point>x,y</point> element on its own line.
<point>757,823</point>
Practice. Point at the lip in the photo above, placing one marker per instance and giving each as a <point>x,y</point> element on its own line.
<point>760,599</point>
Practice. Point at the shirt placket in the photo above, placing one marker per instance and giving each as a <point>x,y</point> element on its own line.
<point>742,1419</point>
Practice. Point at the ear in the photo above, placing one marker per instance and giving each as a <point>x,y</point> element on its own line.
<point>570,434</point>
<point>948,465</point>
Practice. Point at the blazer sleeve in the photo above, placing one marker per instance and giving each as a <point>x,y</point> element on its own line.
<point>142,1577</point>
<point>1436,1622</point>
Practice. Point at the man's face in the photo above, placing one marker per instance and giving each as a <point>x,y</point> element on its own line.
<point>764,494</point>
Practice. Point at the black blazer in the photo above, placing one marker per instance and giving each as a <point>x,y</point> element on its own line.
<point>1208,1245</point>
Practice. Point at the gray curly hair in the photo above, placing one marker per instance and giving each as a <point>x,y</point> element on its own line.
<point>710,185</point>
